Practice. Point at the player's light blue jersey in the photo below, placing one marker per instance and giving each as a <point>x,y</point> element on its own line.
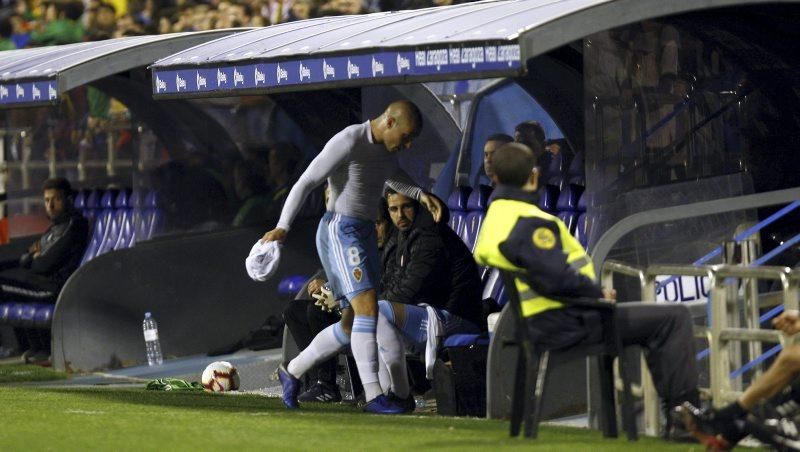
<point>356,169</point>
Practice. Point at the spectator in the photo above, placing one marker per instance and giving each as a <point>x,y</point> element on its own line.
<point>283,163</point>
<point>6,30</point>
<point>492,143</point>
<point>551,267</point>
<point>252,191</point>
<point>425,265</point>
<point>44,269</point>
<point>62,25</point>
<point>531,134</point>
<point>102,22</point>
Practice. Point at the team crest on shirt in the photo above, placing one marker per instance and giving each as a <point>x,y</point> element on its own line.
<point>544,238</point>
<point>358,274</point>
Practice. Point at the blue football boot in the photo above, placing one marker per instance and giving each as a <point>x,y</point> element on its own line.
<point>384,405</point>
<point>291,387</point>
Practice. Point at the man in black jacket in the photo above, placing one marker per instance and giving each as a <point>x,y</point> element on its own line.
<point>50,260</point>
<point>430,288</point>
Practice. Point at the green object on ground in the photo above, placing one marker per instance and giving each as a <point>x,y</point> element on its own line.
<point>173,384</point>
<point>19,373</point>
<point>136,419</point>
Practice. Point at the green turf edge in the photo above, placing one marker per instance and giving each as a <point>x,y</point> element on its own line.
<point>135,419</point>
<point>21,373</point>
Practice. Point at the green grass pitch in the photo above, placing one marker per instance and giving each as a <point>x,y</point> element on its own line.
<point>110,419</point>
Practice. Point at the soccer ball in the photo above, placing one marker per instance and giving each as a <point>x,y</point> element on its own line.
<point>220,376</point>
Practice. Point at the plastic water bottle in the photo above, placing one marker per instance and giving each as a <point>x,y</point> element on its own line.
<point>152,345</point>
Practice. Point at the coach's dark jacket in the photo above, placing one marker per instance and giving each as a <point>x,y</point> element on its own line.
<point>430,264</point>
<point>61,248</point>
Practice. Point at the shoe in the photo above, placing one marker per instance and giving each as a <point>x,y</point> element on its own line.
<point>712,430</point>
<point>408,404</point>
<point>779,432</point>
<point>321,392</point>
<point>383,405</point>
<point>291,386</point>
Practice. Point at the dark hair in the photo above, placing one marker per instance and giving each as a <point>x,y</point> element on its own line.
<point>72,10</point>
<point>6,29</point>
<point>532,135</point>
<point>501,137</point>
<point>391,191</point>
<point>383,211</point>
<point>58,183</point>
<point>513,164</point>
<point>109,6</point>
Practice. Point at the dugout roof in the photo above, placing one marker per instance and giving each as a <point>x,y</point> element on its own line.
<point>40,75</point>
<point>472,40</point>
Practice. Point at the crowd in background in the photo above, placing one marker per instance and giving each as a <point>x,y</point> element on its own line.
<point>30,23</point>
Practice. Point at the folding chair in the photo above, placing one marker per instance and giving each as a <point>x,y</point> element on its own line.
<point>533,364</point>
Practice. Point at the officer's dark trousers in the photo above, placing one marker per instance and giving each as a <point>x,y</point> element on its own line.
<point>664,331</point>
<point>304,321</point>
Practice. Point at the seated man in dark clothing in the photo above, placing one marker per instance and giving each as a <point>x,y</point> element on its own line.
<point>430,288</point>
<point>44,269</point>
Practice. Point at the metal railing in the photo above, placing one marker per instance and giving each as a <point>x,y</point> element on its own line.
<point>725,325</point>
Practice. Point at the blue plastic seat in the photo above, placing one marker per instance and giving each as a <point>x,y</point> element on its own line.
<point>44,316</point>
<point>152,218</point>
<point>457,203</point>
<point>477,204</point>
<point>118,212</point>
<point>5,312</point>
<point>548,198</point>
<point>290,285</point>
<point>102,225</point>
<point>493,288</point>
<point>465,340</point>
<point>567,206</point>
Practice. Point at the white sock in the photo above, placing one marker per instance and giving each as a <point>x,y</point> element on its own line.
<point>326,343</point>
<point>392,349</point>
<point>365,351</point>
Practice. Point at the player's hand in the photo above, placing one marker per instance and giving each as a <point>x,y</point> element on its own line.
<point>433,204</point>
<point>35,247</point>
<point>788,322</point>
<point>275,235</point>
<point>325,300</point>
<point>314,286</point>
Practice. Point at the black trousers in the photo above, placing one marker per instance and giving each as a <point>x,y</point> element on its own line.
<point>304,321</point>
<point>23,286</point>
<point>664,331</point>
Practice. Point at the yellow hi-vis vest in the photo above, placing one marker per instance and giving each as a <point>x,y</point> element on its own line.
<point>500,220</point>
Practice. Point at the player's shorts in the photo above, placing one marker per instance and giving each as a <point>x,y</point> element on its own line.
<point>348,250</point>
<point>415,327</point>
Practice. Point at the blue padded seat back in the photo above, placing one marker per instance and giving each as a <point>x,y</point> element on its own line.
<point>578,180</point>
<point>479,198</point>
<point>290,285</point>
<point>582,229</point>
<point>458,198</point>
<point>570,219</point>
<point>99,231</point>
<point>568,199</point>
<point>80,201</point>
<point>44,316</point>
<point>548,197</point>
<point>582,202</point>
<point>151,200</point>
<point>5,312</point>
<point>122,199</point>
<point>93,198</point>
<point>472,226</point>
<point>457,203</point>
<point>558,180</point>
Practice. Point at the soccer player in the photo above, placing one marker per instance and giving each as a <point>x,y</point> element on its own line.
<point>356,162</point>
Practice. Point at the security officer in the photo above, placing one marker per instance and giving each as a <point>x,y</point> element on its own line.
<point>551,264</point>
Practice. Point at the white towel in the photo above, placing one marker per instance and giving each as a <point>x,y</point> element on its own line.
<point>263,260</point>
<point>434,331</point>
